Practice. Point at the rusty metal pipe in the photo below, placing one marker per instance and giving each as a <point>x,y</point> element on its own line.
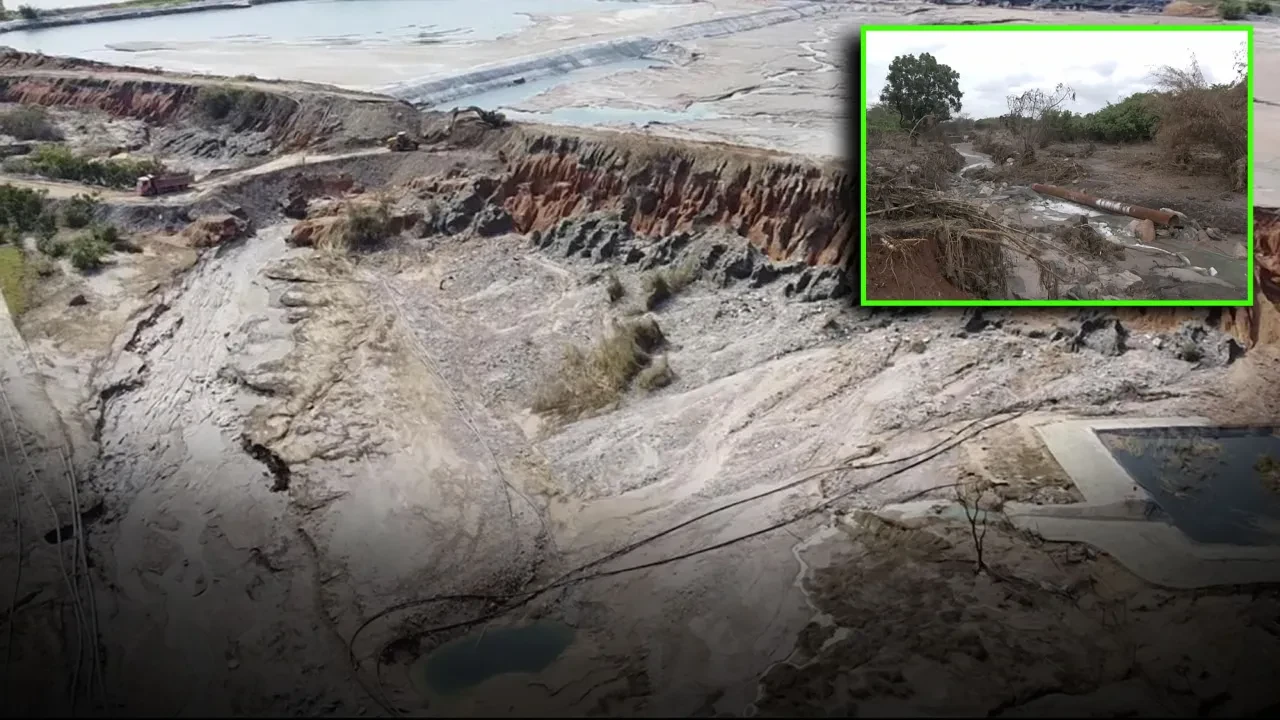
<point>1158,217</point>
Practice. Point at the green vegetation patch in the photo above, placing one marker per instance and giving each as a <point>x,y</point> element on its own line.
<point>29,122</point>
<point>60,163</point>
<point>13,279</point>
<point>228,103</point>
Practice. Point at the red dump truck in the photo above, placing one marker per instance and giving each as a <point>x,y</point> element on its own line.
<point>149,185</point>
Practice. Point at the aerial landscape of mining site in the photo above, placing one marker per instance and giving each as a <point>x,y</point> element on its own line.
<point>506,359</point>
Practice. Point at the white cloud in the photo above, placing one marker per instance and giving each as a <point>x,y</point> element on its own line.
<point>1101,66</point>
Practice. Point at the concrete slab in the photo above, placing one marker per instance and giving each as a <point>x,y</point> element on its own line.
<point>1116,516</point>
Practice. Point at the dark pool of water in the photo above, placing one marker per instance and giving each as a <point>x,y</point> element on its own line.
<point>478,656</point>
<point>1217,485</point>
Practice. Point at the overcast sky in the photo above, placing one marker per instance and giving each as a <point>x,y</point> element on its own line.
<point>1101,67</point>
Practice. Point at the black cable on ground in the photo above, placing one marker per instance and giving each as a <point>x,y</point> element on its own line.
<point>523,598</point>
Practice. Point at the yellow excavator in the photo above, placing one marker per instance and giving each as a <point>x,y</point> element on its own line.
<point>401,142</point>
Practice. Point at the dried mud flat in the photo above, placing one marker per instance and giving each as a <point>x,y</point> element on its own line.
<point>291,458</point>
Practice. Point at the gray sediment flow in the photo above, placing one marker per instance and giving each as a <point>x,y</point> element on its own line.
<point>435,90</point>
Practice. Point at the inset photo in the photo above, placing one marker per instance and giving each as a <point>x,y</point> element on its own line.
<point>1057,165</point>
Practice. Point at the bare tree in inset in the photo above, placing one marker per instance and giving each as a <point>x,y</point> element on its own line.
<point>1027,115</point>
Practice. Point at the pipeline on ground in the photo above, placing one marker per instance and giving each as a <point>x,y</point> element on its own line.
<point>1159,217</point>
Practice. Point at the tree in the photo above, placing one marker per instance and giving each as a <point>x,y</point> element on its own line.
<point>1030,114</point>
<point>919,87</point>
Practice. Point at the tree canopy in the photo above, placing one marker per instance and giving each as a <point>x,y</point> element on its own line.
<point>919,86</point>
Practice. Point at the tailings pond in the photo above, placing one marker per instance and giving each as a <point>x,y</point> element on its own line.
<point>319,23</point>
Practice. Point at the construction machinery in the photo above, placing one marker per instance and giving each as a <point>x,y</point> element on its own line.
<point>151,185</point>
<point>401,142</point>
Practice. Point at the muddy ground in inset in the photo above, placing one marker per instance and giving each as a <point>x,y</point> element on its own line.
<point>962,202</point>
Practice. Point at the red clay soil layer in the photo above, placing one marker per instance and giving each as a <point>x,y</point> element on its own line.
<point>911,273</point>
<point>788,207</point>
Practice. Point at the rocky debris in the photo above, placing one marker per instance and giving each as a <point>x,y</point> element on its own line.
<point>294,206</point>
<point>494,220</point>
<point>78,300</point>
<point>1193,342</point>
<point>459,204</point>
<point>1143,230</point>
<point>723,259</point>
<point>215,230</point>
<point>1104,335</point>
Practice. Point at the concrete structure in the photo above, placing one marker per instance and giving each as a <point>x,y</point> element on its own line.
<point>1115,517</point>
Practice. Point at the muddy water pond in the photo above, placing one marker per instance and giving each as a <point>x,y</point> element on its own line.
<point>1217,485</point>
<point>465,662</point>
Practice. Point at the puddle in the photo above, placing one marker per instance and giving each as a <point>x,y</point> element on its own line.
<point>1217,485</point>
<point>470,660</point>
<point>972,158</point>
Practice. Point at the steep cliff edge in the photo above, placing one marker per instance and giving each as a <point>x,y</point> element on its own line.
<point>790,208</point>
<point>289,116</point>
<point>787,207</point>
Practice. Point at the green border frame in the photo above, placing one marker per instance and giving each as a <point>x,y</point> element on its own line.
<point>864,300</point>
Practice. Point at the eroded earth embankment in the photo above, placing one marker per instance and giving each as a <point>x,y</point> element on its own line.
<point>201,116</point>
<point>382,379</point>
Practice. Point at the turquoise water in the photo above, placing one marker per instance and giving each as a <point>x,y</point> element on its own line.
<point>470,660</point>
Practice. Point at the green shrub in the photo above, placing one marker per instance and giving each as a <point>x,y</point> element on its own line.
<point>13,279</point>
<point>26,12</point>
<point>1134,119</point>
<point>1258,7</point>
<point>1231,10</point>
<point>29,123</point>
<point>21,208</point>
<point>60,163</point>
<point>86,252</point>
<point>46,225</point>
<point>220,103</point>
<point>106,234</point>
<point>79,211</point>
<point>51,247</point>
